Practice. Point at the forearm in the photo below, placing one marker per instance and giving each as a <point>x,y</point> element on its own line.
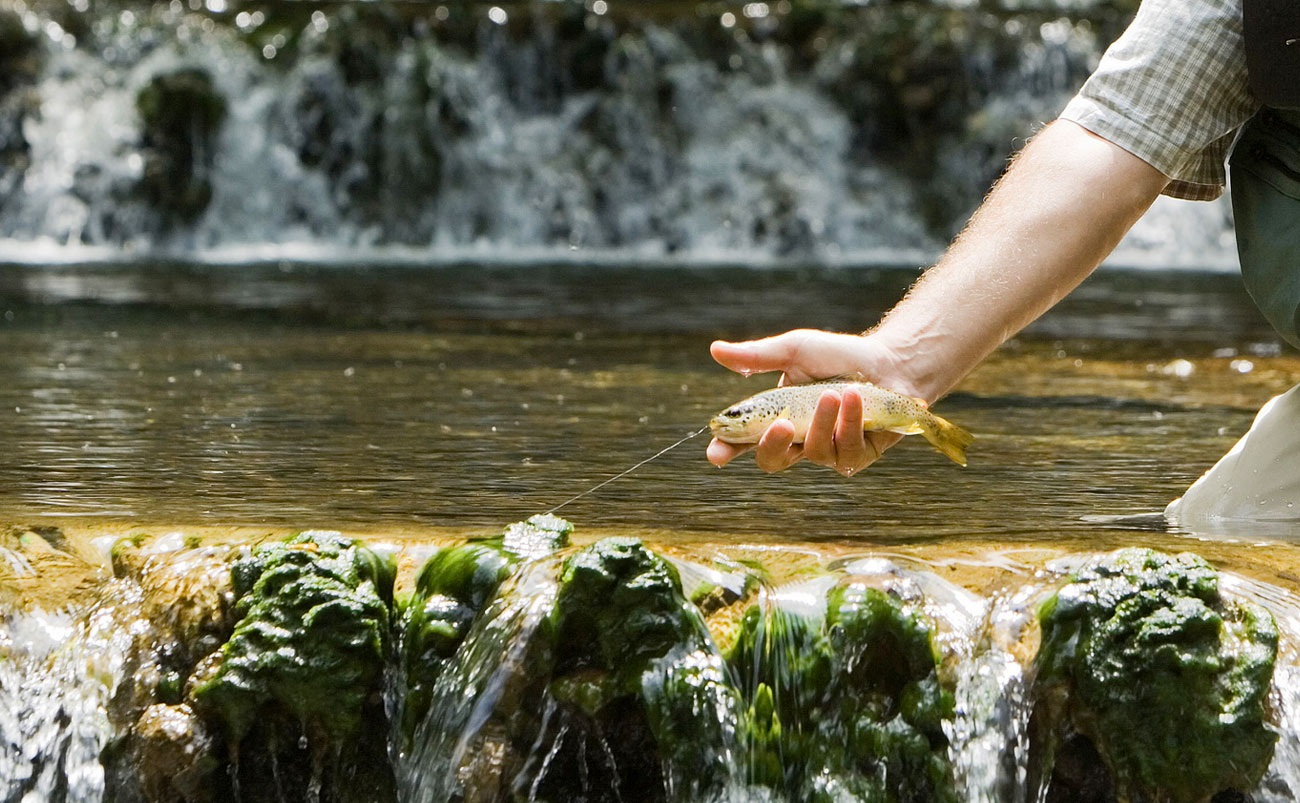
<point>1062,206</point>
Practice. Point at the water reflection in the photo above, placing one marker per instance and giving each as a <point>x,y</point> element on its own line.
<point>338,400</point>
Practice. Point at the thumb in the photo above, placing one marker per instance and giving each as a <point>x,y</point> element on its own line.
<point>755,356</point>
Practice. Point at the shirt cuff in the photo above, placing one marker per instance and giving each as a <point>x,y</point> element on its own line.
<point>1147,145</point>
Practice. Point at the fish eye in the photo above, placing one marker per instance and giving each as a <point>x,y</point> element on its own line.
<point>734,412</point>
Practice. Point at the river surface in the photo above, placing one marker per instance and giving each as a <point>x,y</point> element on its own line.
<point>414,406</point>
<point>411,400</point>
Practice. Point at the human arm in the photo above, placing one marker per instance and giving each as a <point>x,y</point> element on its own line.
<point>1062,206</point>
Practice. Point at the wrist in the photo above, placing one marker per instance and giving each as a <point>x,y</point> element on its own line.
<point>920,362</point>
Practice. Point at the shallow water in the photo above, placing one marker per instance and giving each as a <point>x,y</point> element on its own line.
<point>411,406</point>
<point>401,399</point>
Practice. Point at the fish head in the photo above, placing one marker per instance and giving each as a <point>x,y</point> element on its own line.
<point>742,422</point>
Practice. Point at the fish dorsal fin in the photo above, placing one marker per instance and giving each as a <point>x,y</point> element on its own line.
<point>785,413</point>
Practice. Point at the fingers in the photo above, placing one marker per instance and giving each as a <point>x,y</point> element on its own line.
<point>720,453</point>
<point>819,443</point>
<point>835,436</point>
<point>777,450</point>
<point>851,452</point>
<point>774,353</point>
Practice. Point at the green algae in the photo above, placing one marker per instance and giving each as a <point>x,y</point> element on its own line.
<point>312,636</point>
<point>1165,676</point>
<point>847,706</point>
<point>452,590</point>
<point>627,642</point>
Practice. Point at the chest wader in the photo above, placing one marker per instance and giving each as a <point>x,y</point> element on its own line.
<point>1265,165</point>
<point>1258,480</point>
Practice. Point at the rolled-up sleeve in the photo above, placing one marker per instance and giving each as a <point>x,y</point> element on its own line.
<point>1172,91</point>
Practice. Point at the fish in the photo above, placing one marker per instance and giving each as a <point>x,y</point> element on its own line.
<point>882,410</point>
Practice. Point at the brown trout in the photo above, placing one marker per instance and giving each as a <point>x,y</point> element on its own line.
<point>745,421</point>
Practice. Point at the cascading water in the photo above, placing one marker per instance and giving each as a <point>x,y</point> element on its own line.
<point>550,131</point>
<point>522,668</point>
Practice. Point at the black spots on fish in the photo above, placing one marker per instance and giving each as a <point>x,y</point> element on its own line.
<point>738,410</point>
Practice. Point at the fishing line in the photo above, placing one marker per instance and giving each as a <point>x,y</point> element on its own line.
<point>658,454</point>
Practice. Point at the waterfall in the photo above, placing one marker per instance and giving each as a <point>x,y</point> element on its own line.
<point>534,131</point>
<point>57,677</point>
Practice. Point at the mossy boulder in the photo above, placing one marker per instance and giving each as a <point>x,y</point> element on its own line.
<point>848,705</point>
<point>452,589</point>
<point>311,640</point>
<point>180,118</point>
<point>1143,656</point>
<point>636,676</point>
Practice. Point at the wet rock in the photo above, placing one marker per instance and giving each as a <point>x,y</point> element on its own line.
<point>603,688</point>
<point>636,679</point>
<point>452,589</point>
<point>1167,678</point>
<point>295,691</point>
<point>173,755</point>
<point>848,707</point>
<point>537,537</point>
<point>181,114</point>
<point>312,635</point>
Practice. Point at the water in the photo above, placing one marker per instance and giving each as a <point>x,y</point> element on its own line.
<point>412,406</point>
<point>462,398</point>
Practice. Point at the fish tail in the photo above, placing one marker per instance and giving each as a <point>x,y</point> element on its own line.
<point>948,438</point>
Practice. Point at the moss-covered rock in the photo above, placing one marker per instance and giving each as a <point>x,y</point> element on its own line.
<point>848,706</point>
<point>1143,656</point>
<point>312,637</point>
<point>452,589</point>
<point>180,117</point>
<point>635,673</point>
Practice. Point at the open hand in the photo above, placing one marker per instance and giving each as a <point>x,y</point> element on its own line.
<point>835,436</point>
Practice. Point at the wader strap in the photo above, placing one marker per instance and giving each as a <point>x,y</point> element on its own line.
<point>1265,181</point>
<point>1272,33</point>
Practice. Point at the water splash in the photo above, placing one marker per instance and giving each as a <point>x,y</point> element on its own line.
<point>58,674</point>
<point>450,747</point>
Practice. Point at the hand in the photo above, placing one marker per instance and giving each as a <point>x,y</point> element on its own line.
<point>835,437</point>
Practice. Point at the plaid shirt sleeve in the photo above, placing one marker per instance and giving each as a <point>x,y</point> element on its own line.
<point>1172,91</point>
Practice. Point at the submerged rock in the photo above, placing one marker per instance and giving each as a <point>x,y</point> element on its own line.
<point>1167,678</point>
